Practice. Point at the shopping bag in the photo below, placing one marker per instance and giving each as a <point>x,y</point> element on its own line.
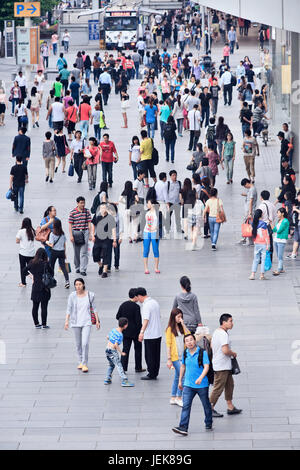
<point>71,169</point>
<point>247,229</point>
<point>68,268</point>
<point>268,262</point>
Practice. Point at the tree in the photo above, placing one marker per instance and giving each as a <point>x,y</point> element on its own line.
<point>7,10</point>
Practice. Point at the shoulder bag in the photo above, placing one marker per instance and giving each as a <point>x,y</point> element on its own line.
<point>42,235</point>
<point>221,217</point>
<point>78,235</point>
<point>47,279</point>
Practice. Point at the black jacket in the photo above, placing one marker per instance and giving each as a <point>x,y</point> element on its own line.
<point>132,312</point>
<point>39,292</point>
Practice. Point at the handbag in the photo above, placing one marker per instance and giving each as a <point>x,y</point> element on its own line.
<point>42,235</point>
<point>47,279</point>
<point>221,217</point>
<point>268,262</point>
<point>78,235</point>
<point>68,268</point>
<point>93,316</point>
<point>235,368</point>
<point>67,150</point>
<point>71,169</point>
<point>143,122</point>
<point>247,229</point>
<point>8,194</point>
<point>28,104</point>
<point>192,166</point>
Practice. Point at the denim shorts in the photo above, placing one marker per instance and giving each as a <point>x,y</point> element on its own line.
<point>297,233</point>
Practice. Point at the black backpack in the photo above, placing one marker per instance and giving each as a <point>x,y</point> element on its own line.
<point>211,133</point>
<point>177,182</point>
<point>233,80</point>
<point>155,154</point>
<point>207,348</point>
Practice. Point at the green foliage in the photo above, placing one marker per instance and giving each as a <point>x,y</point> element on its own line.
<point>7,10</point>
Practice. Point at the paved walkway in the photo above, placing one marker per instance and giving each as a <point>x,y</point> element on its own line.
<point>47,404</point>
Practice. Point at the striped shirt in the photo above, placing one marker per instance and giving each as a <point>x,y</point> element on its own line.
<point>80,220</point>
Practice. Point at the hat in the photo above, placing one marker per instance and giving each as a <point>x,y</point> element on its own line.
<point>280,134</point>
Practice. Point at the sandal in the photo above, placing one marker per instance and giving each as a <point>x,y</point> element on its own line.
<point>252,277</point>
<point>276,273</point>
<point>157,271</point>
<point>262,277</point>
<point>147,272</point>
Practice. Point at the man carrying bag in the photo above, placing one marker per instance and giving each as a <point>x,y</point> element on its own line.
<point>80,234</point>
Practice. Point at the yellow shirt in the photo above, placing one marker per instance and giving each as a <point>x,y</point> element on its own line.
<point>146,148</point>
<point>171,343</point>
<point>213,204</point>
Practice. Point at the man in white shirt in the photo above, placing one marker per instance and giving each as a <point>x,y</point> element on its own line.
<point>150,333</point>
<point>222,366</point>
<point>139,186</point>
<point>22,84</point>
<point>226,83</point>
<point>57,110</point>
<point>194,118</point>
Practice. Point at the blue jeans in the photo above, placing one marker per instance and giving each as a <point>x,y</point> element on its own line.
<point>170,144</point>
<point>87,73</point>
<point>214,228</point>
<point>228,160</point>
<point>137,66</point>
<point>205,115</point>
<point>180,126</point>
<point>97,132</point>
<point>148,238</point>
<point>54,48</point>
<point>162,129</point>
<point>245,127</point>
<point>175,390</point>
<point>151,129</point>
<point>260,252</point>
<point>66,46</point>
<point>107,169</point>
<point>188,396</point>
<point>114,360</point>
<point>232,45</point>
<point>84,127</point>
<point>134,169</point>
<point>19,201</point>
<point>14,101</point>
<point>280,247</point>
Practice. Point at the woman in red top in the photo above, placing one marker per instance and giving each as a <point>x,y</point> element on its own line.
<point>84,114</point>
<point>71,118</point>
<point>92,155</point>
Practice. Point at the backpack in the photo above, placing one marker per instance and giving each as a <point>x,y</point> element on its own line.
<point>233,80</point>
<point>207,348</point>
<point>166,59</point>
<point>168,132</point>
<point>211,133</point>
<point>177,182</point>
<point>155,154</point>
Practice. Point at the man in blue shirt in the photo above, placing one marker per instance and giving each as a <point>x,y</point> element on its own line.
<point>115,338</point>
<point>105,84</point>
<point>232,39</point>
<point>195,383</point>
<point>74,87</point>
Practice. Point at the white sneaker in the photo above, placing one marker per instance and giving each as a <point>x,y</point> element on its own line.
<point>291,256</point>
<point>179,402</point>
<point>173,402</point>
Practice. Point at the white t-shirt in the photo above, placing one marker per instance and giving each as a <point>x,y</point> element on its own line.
<point>139,187</point>
<point>161,188</point>
<point>57,112</point>
<point>21,110</point>
<point>26,246</point>
<point>151,312</point>
<point>140,103</point>
<point>220,361</point>
<point>83,311</point>
<point>77,145</point>
<point>194,118</point>
<point>135,153</point>
<point>39,79</point>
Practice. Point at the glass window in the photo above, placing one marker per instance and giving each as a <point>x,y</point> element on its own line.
<point>120,23</point>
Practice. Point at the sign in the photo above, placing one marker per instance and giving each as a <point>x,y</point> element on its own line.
<point>27,9</point>
<point>28,49</point>
<point>9,34</point>
<point>286,79</point>
<point>94,30</point>
<point>121,13</point>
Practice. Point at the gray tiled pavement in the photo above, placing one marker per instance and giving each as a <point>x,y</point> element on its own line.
<point>45,403</point>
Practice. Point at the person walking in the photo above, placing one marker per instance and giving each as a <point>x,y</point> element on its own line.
<point>194,119</point>
<point>261,240</point>
<point>18,179</point>
<point>25,238</point>
<point>49,154</point>
<point>84,116</point>
<point>213,207</point>
<point>177,113</point>
<point>151,234</point>
<point>77,154</point>
<point>57,243</point>
<point>80,234</point>
<point>170,138</point>
<point>71,118</point>
<point>92,155</point>
<point>15,95</point>
<point>134,155</point>
<point>62,148</point>
<point>105,84</point>
<point>81,305</point>
<point>22,146</point>
<point>251,150</point>
<point>187,303</point>
<point>21,113</point>
<point>109,156</point>
<point>281,231</point>
<point>195,383</point>
<point>40,294</point>
<point>104,237</point>
<point>228,156</point>
<point>222,366</point>
<point>132,312</point>
<point>150,112</point>
<point>57,112</point>
<point>3,105</point>
<point>150,333</point>
<point>175,332</point>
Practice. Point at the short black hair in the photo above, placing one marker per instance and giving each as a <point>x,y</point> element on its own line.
<point>245,181</point>
<point>141,172</point>
<point>265,195</point>
<point>173,172</point>
<point>224,317</point>
<point>80,198</point>
<point>122,322</point>
<point>213,192</point>
<point>132,293</point>
<point>106,135</point>
<point>48,135</point>
<point>19,158</point>
<point>162,176</point>
<point>141,291</point>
